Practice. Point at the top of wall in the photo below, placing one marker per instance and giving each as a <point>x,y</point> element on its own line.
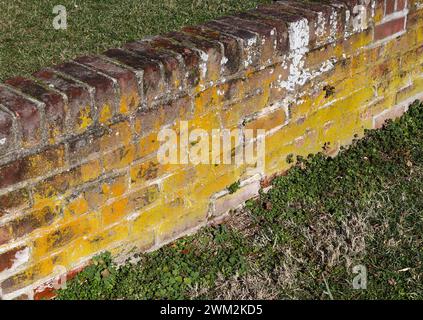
<point>87,94</point>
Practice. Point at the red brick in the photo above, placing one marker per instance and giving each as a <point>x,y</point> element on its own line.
<point>29,222</point>
<point>401,5</point>
<point>54,103</point>
<point>7,259</point>
<point>190,57</point>
<point>173,69</point>
<point>7,134</point>
<point>78,97</point>
<point>280,26</point>
<point>14,200</point>
<point>31,166</point>
<point>267,34</point>
<point>232,49</point>
<point>104,89</point>
<point>389,28</point>
<point>27,114</point>
<point>389,7</point>
<point>308,14</point>
<point>85,146</point>
<point>65,181</point>
<point>5,234</point>
<point>212,49</point>
<point>147,121</point>
<point>277,13</point>
<point>126,79</point>
<point>250,41</point>
<point>153,83</point>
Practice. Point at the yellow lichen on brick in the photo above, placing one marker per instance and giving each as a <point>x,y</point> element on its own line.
<point>129,102</point>
<point>85,119</point>
<point>105,113</point>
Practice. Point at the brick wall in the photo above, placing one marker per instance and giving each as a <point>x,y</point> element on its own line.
<point>78,141</point>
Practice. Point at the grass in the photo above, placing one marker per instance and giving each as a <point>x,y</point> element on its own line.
<point>301,239</point>
<point>29,42</point>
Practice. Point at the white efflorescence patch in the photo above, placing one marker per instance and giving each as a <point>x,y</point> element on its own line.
<point>373,8</point>
<point>333,23</point>
<point>224,61</point>
<point>320,27</point>
<point>298,73</point>
<point>347,32</point>
<point>21,257</point>
<point>299,34</point>
<point>203,66</point>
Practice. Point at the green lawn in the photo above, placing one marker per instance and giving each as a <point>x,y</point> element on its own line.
<point>29,42</point>
<point>302,238</point>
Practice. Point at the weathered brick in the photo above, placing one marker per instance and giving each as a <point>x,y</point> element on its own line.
<point>147,145</point>
<point>230,201</point>
<point>232,115</point>
<point>389,28</point>
<point>14,258</point>
<point>275,12</point>
<point>210,53</point>
<point>144,171</point>
<point>14,200</point>
<point>143,197</point>
<point>85,146</point>
<point>117,134</point>
<point>325,14</point>
<point>29,275</point>
<point>149,121</point>
<point>32,166</point>
<point>54,104</point>
<point>268,121</point>
<point>29,116</point>
<point>129,95</point>
<point>75,205</point>
<point>62,235</point>
<point>392,113</point>
<point>104,91</point>
<point>97,242</point>
<point>153,83</point>
<point>231,61</point>
<point>5,234</point>
<point>389,7</point>
<point>250,41</point>
<point>65,181</point>
<point>96,142</point>
<point>267,34</point>
<point>27,223</point>
<point>280,27</point>
<point>80,110</point>
<point>133,202</point>
<point>119,158</point>
<point>104,190</point>
<point>401,4</point>
<point>190,58</point>
<point>309,14</point>
<point>7,133</point>
<point>174,72</point>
